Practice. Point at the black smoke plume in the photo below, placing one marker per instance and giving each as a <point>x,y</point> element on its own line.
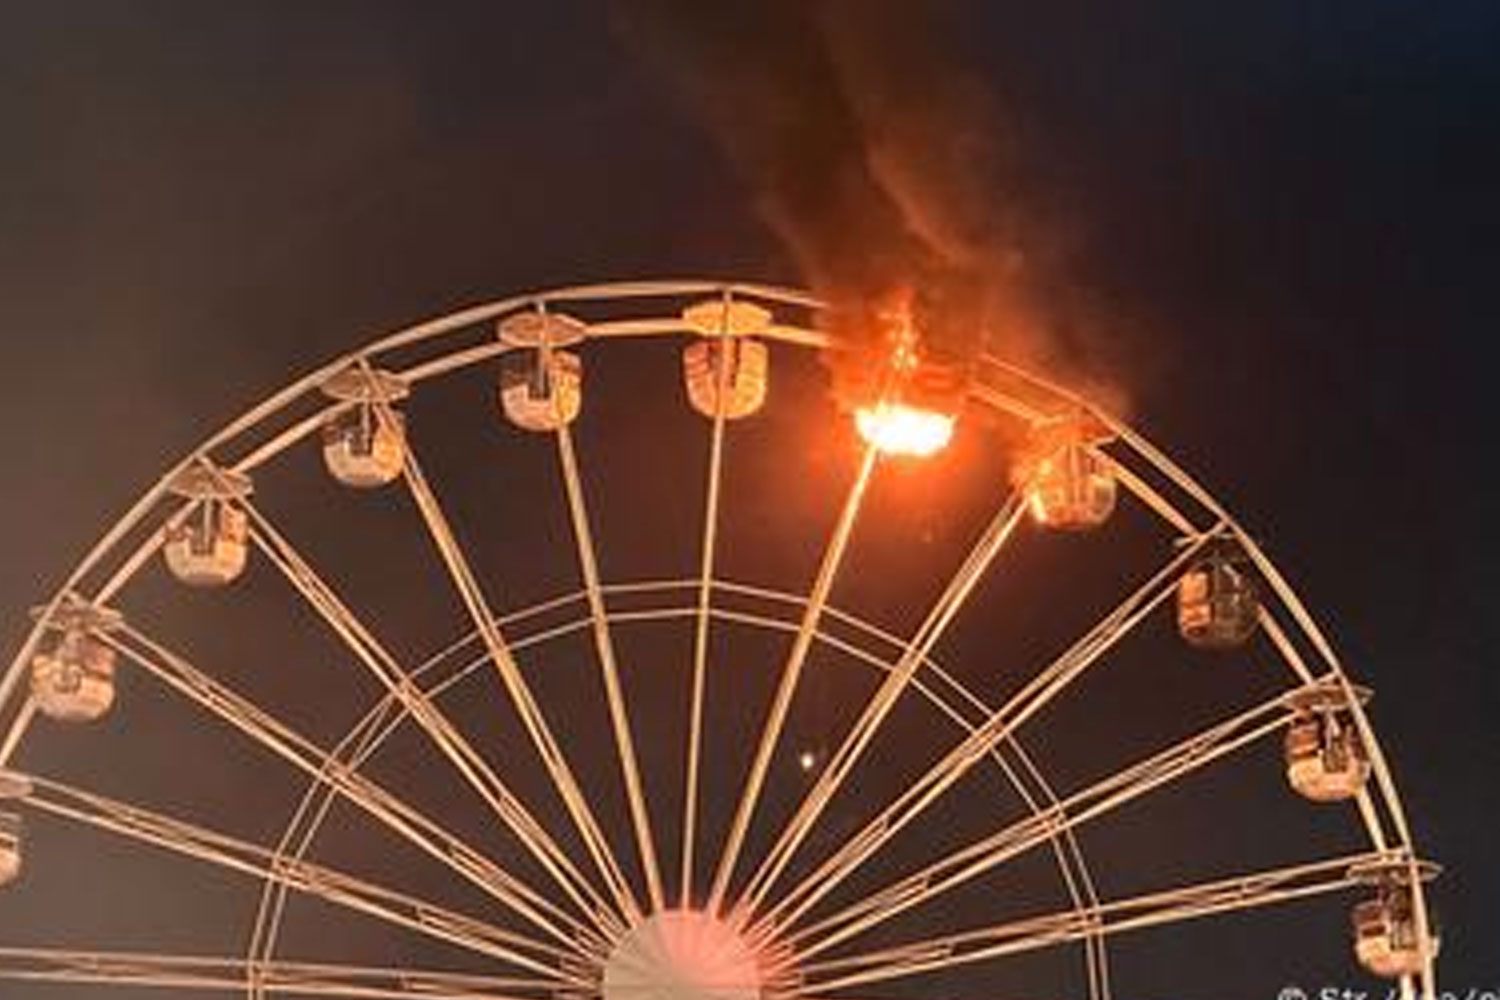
<point>891,175</point>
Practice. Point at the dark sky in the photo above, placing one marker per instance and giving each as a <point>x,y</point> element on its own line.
<point>1283,218</point>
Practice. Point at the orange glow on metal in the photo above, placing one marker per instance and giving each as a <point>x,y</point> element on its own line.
<point>682,955</point>
<point>900,429</point>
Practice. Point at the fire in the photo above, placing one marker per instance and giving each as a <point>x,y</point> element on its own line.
<point>901,429</point>
<point>906,397</point>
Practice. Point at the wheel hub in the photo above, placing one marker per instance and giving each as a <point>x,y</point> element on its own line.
<point>682,955</point>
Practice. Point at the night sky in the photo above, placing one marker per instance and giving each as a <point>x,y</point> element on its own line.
<point>1279,221</point>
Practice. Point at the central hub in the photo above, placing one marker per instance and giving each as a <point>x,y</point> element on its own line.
<point>682,955</point>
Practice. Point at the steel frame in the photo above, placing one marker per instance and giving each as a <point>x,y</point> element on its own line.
<point>576,918</point>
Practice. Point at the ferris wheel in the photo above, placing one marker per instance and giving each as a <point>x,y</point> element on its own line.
<point>574,645</point>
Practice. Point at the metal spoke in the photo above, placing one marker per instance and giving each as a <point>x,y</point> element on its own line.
<point>558,916</point>
<point>18,727</point>
<point>338,888</point>
<point>981,856</point>
<point>1064,844</point>
<point>619,715</point>
<point>1311,631</point>
<point>436,676</point>
<point>229,975</point>
<point>1157,909</point>
<point>509,670</point>
<point>1314,634</point>
<point>915,653</point>
<point>708,554</point>
<point>975,747</point>
<point>791,672</point>
<point>312,811</point>
<point>422,832</point>
<point>475,770</point>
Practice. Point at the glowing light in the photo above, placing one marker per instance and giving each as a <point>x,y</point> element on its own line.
<point>900,429</point>
<point>807,760</point>
<point>682,955</point>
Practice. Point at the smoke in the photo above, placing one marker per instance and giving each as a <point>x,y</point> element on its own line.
<point>895,178</point>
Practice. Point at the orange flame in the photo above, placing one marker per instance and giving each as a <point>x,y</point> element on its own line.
<point>901,429</point>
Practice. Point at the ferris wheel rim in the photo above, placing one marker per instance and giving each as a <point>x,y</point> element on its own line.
<point>428,331</point>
